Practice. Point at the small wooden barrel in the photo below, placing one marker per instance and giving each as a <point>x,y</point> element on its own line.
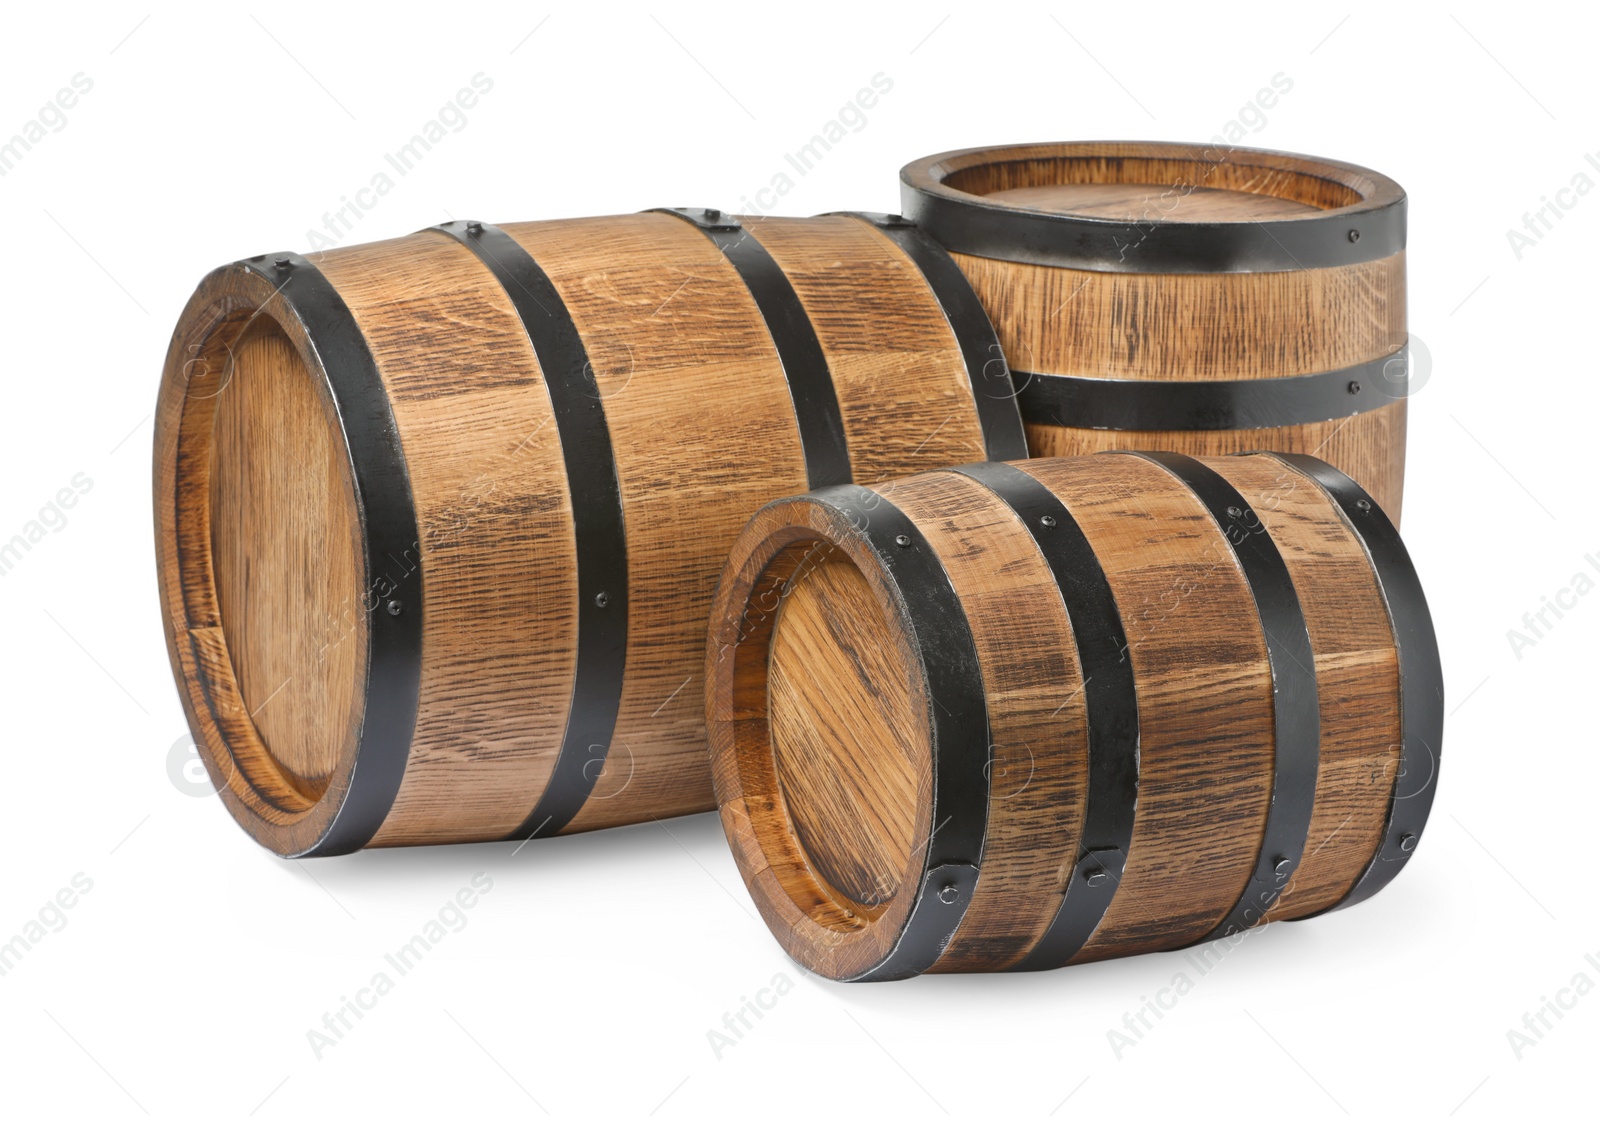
<point>1013,716</point>
<point>439,519</point>
<point>1186,297</point>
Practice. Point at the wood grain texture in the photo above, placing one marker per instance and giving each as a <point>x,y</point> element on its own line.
<point>1137,201</point>
<point>703,431</point>
<point>771,560</point>
<point>286,553</point>
<point>1191,327</point>
<point>1372,444</point>
<point>1038,760</point>
<point>897,369</point>
<point>285,804</point>
<point>1313,181</point>
<point>1125,325</point>
<point>843,725</point>
<point>495,520</point>
<point>1358,677</point>
<point>1209,327</point>
<point>1205,701</point>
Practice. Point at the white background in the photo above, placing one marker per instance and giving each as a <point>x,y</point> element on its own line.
<point>183,983</point>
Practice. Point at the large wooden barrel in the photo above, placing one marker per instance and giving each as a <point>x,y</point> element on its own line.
<point>439,519</point>
<point>1013,716</point>
<point>1205,299</point>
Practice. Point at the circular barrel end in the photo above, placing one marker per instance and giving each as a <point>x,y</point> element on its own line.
<point>818,716</point>
<point>1155,207</point>
<point>261,558</point>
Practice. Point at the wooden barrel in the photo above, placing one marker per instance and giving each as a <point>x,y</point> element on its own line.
<point>439,519</point>
<point>1186,297</point>
<point>1013,716</point>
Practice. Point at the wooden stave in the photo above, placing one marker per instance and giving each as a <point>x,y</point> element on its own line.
<point>1063,315</point>
<point>1352,825</point>
<point>472,739</point>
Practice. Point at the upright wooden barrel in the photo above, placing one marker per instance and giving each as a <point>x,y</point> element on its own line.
<point>439,519</point>
<point>1013,716</point>
<point>1204,299</point>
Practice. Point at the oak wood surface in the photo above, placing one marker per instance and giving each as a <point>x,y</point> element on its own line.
<point>1205,701</point>
<point>839,707</point>
<point>1375,441</point>
<point>278,801</point>
<point>495,522</point>
<point>1137,201</point>
<point>897,368</point>
<point>1038,729</point>
<point>772,559</point>
<point>1222,326</point>
<point>1358,677</point>
<point>1314,181</point>
<point>703,432</point>
<point>1239,326</point>
<point>286,551</point>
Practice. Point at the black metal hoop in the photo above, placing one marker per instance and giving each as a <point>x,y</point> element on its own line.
<point>805,366</point>
<point>996,229</point>
<point>1296,711</point>
<point>1421,676</point>
<point>1176,406</point>
<point>959,718</point>
<point>1111,704</point>
<point>390,542</point>
<point>993,390</point>
<point>599,531</point>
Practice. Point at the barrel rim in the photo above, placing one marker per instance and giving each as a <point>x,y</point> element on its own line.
<point>960,739</point>
<point>914,926</point>
<point>290,291</point>
<point>1374,227</point>
<point>796,903</point>
<point>1421,673</point>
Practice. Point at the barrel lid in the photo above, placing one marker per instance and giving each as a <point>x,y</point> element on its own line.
<point>1155,207</point>
<point>289,556</point>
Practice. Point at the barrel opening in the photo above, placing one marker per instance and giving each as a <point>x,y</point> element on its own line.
<point>1156,181</point>
<point>830,708</point>
<point>272,638</point>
